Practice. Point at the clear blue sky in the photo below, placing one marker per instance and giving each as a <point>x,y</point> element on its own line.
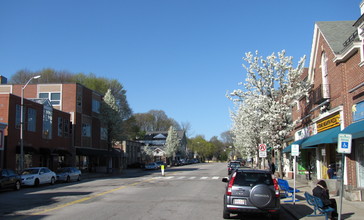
<point>179,56</point>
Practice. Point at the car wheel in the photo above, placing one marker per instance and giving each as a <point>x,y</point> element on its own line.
<point>79,178</point>
<point>225,214</point>
<point>53,180</point>
<point>68,179</point>
<point>261,196</point>
<point>36,182</point>
<point>17,185</point>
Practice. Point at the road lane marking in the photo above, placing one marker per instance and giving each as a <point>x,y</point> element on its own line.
<point>89,197</point>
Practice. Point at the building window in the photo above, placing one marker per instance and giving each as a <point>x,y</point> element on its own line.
<point>47,123</point>
<point>103,134</point>
<point>86,130</point>
<point>54,97</point>
<point>60,127</point>
<point>95,106</point>
<point>66,127</point>
<point>32,119</point>
<point>17,116</point>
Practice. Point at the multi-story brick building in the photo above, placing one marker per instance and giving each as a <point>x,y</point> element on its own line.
<point>89,135</point>
<point>336,104</point>
<point>46,136</point>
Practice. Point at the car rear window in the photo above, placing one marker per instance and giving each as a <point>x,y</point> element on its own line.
<point>252,179</point>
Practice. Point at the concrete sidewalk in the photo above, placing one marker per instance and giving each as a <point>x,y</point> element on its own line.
<point>300,209</point>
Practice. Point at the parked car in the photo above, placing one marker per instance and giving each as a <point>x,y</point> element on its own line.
<point>68,174</point>
<point>9,179</point>
<point>151,166</point>
<point>160,163</point>
<point>37,175</point>
<point>232,167</point>
<point>251,191</point>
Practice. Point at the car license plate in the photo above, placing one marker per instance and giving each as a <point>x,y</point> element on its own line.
<point>239,201</point>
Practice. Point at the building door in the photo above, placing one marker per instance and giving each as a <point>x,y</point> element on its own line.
<point>359,151</point>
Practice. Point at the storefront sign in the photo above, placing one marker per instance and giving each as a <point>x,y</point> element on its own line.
<point>328,123</point>
<point>306,132</point>
<point>358,111</point>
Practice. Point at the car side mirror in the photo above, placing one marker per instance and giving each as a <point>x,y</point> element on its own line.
<point>225,179</point>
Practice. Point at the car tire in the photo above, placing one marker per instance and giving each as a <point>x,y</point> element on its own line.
<point>226,214</point>
<point>36,182</point>
<point>17,185</point>
<point>68,179</point>
<point>261,196</point>
<point>53,180</point>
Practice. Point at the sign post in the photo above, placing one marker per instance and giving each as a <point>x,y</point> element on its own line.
<point>263,152</point>
<point>343,147</point>
<point>295,151</point>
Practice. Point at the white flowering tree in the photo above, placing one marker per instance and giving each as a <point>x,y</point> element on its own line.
<point>172,143</point>
<point>111,119</point>
<point>272,86</point>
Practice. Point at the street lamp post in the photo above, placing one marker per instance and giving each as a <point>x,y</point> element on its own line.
<point>22,122</point>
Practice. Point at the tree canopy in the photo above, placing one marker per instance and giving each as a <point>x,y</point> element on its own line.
<point>263,107</point>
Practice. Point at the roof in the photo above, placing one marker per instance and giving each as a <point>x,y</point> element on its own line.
<point>336,33</point>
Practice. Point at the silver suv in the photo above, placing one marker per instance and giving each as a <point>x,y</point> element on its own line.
<point>251,192</point>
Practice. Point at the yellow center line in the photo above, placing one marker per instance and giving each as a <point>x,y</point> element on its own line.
<point>89,197</point>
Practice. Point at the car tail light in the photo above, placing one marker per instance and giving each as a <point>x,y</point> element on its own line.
<point>276,187</point>
<point>230,184</point>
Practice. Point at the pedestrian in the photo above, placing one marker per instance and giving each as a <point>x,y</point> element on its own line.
<point>272,167</point>
<point>331,172</point>
<point>322,192</point>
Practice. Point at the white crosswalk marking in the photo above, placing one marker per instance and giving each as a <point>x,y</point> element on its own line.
<point>186,178</point>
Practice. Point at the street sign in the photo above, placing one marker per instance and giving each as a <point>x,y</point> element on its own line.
<point>295,150</point>
<point>262,150</point>
<point>344,143</point>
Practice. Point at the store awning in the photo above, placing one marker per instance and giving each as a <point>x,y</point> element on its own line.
<point>325,137</point>
<point>299,142</point>
<point>356,130</point>
<point>91,152</point>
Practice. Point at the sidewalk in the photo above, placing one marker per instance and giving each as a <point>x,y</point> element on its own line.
<point>300,210</point>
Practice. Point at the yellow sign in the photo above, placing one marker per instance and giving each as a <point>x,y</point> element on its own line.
<point>328,123</point>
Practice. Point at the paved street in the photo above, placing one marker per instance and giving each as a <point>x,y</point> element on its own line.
<point>187,192</point>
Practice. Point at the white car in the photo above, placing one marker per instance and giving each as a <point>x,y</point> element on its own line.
<point>37,175</point>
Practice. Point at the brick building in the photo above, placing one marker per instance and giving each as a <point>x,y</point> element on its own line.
<point>47,137</point>
<point>336,104</point>
<point>89,135</point>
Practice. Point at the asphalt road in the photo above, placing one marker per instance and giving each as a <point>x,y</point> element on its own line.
<point>187,192</point>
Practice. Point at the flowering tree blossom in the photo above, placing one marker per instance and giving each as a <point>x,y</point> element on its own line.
<point>172,142</point>
<point>263,107</point>
<point>111,118</point>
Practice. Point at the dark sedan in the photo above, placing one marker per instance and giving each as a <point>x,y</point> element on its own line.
<point>9,179</point>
